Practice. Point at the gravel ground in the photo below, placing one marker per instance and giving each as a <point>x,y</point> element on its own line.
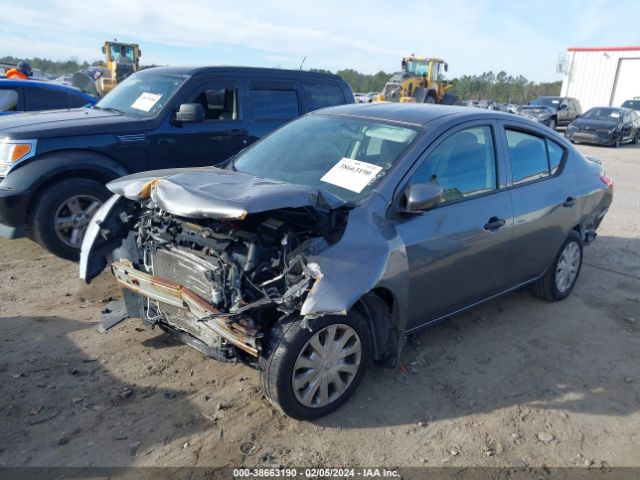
<point>517,382</point>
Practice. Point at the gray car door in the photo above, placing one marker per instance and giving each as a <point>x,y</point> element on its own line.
<point>543,209</point>
<point>457,251</point>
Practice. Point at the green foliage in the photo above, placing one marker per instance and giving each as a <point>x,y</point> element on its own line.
<point>502,88</point>
<point>51,66</point>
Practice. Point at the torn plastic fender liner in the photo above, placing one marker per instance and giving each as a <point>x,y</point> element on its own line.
<point>171,293</point>
<point>210,192</point>
<point>101,238</point>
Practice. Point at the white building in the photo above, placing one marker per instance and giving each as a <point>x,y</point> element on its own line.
<point>602,76</point>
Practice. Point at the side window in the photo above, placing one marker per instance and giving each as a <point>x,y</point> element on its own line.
<point>45,99</point>
<point>8,100</point>
<point>556,152</point>
<point>321,96</point>
<point>274,104</point>
<point>218,103</point>
<point>464,164</point>
<point>532,157</point>
<point>77,101</point>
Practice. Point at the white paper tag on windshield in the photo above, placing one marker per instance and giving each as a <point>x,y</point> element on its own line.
<point>351,174</point>
<point>146,101</point>
<point>615,115</point>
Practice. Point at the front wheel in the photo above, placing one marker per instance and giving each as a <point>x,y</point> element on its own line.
<point>61,215</point>
<point>559,280</point>
<point>308,374</point>
<point>552,124</point>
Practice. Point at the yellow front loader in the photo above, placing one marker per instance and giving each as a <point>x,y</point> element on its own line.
<point>121,60</point>
<point>421,80</point>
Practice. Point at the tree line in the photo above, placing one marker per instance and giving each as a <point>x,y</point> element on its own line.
<point>501,87</point>
<point>51,66</point>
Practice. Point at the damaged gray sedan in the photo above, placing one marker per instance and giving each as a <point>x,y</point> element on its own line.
<point>319,248</point>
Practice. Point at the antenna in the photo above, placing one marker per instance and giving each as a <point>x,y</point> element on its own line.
<point>301,64</point>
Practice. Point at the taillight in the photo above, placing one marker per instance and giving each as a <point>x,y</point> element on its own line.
<point>607,181</point>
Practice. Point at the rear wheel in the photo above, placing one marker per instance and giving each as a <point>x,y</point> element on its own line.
<point>559,280</point>
<point>61,214</point>
<point>308,374</point>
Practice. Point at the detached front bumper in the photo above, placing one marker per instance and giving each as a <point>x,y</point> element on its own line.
<point>14,205</point>
<point>178,296</point>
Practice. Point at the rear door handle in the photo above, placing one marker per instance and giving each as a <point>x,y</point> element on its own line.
<point>569,202</point>
<point>494,223</point>
<point>236,131</point>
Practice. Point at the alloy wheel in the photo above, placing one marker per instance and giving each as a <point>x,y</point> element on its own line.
<point>72,218</point>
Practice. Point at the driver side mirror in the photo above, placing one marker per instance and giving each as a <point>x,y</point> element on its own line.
<point>446,67</point>
<point>563,106</point>
<point>421,197</point>
<point>190,113</point>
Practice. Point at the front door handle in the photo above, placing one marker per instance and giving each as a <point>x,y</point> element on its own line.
<point>569,202</point>
<point>494,223</point>
<point>235,132</point>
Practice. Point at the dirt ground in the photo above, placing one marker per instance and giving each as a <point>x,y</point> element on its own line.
<point>517,382</point>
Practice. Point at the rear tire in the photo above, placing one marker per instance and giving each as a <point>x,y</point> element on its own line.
<point>556,284</point>
<point>288,349</point>
<point>63,208</point>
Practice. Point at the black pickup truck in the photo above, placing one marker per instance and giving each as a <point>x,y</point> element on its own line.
<point>54,164</point>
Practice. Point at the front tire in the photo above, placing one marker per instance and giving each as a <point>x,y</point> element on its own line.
<point>308,374</point>
<point>61,214</point>
<point>561,277</point>
<point>552,124</point>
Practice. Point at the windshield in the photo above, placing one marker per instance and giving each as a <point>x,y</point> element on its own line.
<point>343,156</point>
<point>635,104</point>
<point>142,95</point>
<point>419,68</point>
<point>553,102</point>
<point>610,114</point>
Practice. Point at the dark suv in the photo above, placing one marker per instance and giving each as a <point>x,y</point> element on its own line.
<point>552,111</point>
<point>53,165</point>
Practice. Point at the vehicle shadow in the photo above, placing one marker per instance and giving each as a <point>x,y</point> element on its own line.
<point>576,356</point>
<point>62,406</point>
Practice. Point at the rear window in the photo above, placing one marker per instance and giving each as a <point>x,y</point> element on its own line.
<point>274,104</point>
<point>321,96</point>
<point>532,157</point>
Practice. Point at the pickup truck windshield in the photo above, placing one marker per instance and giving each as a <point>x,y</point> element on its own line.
<point>343,156</point>
<point>553,102</point>
<point>142,95</point>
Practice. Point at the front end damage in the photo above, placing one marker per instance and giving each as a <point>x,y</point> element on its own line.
<point>218,278</point>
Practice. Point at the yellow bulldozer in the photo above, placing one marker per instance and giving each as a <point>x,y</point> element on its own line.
<point>421,80</point>
<point>121,60</point>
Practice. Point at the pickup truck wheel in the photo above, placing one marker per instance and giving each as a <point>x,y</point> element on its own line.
<point>308,374</point>
<point>558,281</point>
<point>552,124</point>
<point>61,214</point>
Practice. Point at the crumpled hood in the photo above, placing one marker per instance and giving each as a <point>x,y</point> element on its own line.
<point>210,192</point>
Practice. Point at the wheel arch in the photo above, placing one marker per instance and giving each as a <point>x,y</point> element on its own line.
<point>379,307</point>
<point>55,167</point>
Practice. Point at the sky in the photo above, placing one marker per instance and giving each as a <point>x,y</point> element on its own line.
<point>473,36</point>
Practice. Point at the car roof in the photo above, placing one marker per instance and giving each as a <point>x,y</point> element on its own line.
<point>240,71</point>
<point>7,82</point>
<point>413,113</point>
